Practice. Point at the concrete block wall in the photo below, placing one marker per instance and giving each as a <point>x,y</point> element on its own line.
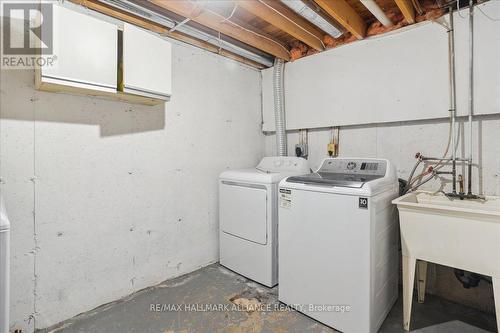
<point>106,198</point>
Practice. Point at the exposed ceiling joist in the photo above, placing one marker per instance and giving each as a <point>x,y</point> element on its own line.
<point>282,17</point>
<point>175,19</point>
<point>406,7</point>
<point>345,15</point>
<point>158,28</point>
<point>208,18</point>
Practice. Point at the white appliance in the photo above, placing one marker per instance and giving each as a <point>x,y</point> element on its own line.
<point>248,217</point>
<point>338,241</point>
<point>4,268</point>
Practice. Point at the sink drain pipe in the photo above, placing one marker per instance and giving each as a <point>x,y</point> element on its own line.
<point>279,107</point>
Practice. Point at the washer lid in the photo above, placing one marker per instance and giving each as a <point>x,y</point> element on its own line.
<point>344,172</point>
<point>349,176</point>
<point>334,179</point>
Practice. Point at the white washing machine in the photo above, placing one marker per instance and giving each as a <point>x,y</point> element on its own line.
<point>338,241</point>
<point>248,217</point>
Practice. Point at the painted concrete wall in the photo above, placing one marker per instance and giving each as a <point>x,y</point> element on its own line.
<point>399,76</point>
<point>398,142</point>
<point>106,198</point>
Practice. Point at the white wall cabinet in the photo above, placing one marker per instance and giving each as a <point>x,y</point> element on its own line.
<point>92,59</point>
<point>86,50</point>
<point>147,64</point>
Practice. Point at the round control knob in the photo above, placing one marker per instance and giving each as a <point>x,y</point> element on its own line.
<point>351,165</point>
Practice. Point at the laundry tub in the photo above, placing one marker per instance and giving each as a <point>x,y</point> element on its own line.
<point>464,234</point>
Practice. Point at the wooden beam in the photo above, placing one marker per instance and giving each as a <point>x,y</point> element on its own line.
<point>345,15</point>
<point>217,22</point>
<point>406,7</point>
<point>160,29</point>
<point>282,17</point>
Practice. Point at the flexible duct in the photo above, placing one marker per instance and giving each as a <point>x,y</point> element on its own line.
<point>279,107</point>
<point>303,10</point>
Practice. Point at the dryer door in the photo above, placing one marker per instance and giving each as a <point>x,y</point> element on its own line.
<point>243,211</point>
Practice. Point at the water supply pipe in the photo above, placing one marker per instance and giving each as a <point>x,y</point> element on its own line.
<point>461,195</point>
<point>453,100</point>
<point>471,93</point>
<point>379,14</point>
<point>279,107</point>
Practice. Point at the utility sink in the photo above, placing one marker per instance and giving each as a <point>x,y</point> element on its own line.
<point>463,234</point>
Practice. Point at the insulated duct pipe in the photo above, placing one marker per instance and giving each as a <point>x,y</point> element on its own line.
<point>379,14</point>
<point>4,268</point>
<point>303,10</point>
<point>279,107</point>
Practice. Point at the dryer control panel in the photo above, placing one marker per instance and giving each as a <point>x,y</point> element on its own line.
<point>283,164</point>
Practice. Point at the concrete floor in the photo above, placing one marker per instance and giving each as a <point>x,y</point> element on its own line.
<point>216,285</point>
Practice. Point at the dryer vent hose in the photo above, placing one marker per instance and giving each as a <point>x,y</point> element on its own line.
<point>279,107</point>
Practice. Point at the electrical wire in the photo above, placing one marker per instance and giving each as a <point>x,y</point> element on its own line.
<point>231,15</point>
<point>478,8</point>
<point>487,16</point>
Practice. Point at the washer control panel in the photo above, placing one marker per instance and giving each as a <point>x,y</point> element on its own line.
<point>354,166</point>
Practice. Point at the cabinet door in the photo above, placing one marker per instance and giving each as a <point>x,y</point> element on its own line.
<point>86,49</point>
<point>147,64</point>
